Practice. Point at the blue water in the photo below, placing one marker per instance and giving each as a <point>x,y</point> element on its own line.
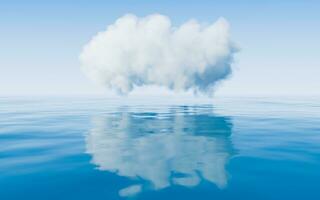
<point>96,148</point>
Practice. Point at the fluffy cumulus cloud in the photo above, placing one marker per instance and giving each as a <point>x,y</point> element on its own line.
<point>135,52</point>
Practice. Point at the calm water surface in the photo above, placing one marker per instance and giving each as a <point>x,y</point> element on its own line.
<point>86,148</point>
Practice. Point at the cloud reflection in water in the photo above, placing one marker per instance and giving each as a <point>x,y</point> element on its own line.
<point>180,146</point>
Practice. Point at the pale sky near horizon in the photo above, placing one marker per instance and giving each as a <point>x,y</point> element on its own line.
<point>40,43</point>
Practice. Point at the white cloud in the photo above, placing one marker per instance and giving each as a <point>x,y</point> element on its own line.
<point>151,51</point>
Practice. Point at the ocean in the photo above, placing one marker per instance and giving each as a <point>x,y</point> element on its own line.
<point>100,148</point>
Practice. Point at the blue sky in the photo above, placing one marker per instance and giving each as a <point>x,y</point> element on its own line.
<point>41,42</point>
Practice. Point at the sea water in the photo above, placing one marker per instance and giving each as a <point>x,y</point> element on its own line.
<point>100,148</point>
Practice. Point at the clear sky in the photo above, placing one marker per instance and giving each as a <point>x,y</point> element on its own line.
<point>40,42</point>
